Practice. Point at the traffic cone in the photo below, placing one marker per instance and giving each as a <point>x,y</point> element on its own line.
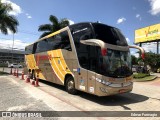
<point>22,75</point>
<point>28,78</point>
<point>33,82</point>
<point>17,73</point>
<point>11,71</point>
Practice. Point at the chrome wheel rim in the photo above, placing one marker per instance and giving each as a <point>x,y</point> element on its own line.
<point>70,85</point>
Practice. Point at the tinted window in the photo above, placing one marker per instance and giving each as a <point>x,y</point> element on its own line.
<point>109,34</point>
<point>85,53</point>
<point>83,56</point>
<point>42,46</point>
<point>87,56</point>
<point>65,42</point>
<point>29,49</point>
<point>59,41</point>
<point>81,32</point>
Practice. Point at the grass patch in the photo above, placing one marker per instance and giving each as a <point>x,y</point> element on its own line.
<point>3,73</point>
<point>149,78</point>
<point>140,75</point>
<point>3,65</point>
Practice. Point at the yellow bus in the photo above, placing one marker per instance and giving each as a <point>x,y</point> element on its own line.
<point>89,57</point>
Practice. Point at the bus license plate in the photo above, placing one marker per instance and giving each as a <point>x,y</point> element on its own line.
<point>122,91</point>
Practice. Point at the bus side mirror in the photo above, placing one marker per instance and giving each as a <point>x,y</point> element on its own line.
<point>92,42</point>
<point>141,49</point>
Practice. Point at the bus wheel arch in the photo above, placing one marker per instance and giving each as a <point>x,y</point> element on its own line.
<point>70,84</point>
<point>29,70</point>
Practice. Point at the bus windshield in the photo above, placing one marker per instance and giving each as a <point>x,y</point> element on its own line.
<point>116,64</point>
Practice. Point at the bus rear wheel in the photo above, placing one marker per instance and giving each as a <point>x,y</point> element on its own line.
<point>70,86</point>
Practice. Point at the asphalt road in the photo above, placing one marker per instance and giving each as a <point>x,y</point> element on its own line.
<point>13,97</point>
<point>8,70</point>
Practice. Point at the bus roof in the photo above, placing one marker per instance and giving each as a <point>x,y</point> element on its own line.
<point>89,23</point>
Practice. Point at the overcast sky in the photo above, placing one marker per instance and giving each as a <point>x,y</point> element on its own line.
<point>127,15</point>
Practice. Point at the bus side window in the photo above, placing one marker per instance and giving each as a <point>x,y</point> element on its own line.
<point>29,49</point>
<point>57,42</point>
<point>65,42</point>
<point>41,46</point>
<point>34,48</point>
<point>53,42</point>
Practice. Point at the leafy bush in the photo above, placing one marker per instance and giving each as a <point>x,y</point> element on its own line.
<point>140,75</point>
<point>3,73</point>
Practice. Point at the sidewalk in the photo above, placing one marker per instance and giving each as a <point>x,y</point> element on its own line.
<point>157,74</point>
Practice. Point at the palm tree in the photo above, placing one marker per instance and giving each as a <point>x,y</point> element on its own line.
<point>54,26</point>
<point>7,21</point>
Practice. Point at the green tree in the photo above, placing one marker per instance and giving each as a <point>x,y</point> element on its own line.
<point>152,59</point>
<point>7,21</point>
<point>134,60</point>
<point>54,26</point>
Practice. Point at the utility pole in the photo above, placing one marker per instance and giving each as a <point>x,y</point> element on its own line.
<point>12,48</point>
<point>157,47</point>
<point>140,45</point>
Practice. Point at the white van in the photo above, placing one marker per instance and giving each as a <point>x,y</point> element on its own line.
<point>14,65</point>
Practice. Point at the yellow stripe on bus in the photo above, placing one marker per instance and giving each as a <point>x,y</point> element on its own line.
<point>26,60</point>
<point>32,65</point>
<point>52,34</point>
<point>54,64</point>
<point>31,61</point>
<point>64,64</point>
<point>60,59</point>
<point>58,66</point>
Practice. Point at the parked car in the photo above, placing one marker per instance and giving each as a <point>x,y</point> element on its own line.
<point>134,68</point>
<point>14,65</point>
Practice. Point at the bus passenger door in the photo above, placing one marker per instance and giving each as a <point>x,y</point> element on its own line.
<point>82,73</point>
<point>82,69</point>
<point>86,76</point>
<point>92,61</point>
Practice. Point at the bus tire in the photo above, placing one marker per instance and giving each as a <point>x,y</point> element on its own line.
<point>34,75</point>
<point>70,86</point>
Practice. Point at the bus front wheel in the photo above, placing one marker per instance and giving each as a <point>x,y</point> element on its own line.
<point>70,86</point>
